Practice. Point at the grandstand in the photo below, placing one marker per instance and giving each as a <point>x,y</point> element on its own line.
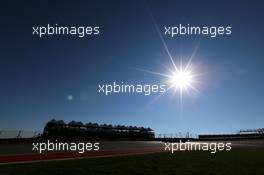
<point>58,129</point>
<point>241,134</point>
<point>251,131</point>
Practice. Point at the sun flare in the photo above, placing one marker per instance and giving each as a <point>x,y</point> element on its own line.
<point>181,79</point>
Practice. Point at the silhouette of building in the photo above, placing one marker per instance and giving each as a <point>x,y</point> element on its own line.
<point>58,129</point>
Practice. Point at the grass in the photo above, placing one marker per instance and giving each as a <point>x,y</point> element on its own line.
<point>241,162</point>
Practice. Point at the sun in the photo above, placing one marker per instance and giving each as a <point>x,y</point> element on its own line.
<point>181,79</point>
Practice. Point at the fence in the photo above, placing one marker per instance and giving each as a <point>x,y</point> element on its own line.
<point>177,135</point>
<point>8,134</point>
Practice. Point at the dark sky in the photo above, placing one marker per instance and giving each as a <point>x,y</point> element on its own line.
<point>38,74</point>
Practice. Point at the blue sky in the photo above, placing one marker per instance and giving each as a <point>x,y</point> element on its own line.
<point>37,74</point>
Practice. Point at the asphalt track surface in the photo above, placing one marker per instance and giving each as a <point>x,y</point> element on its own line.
<point>22,152</point>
